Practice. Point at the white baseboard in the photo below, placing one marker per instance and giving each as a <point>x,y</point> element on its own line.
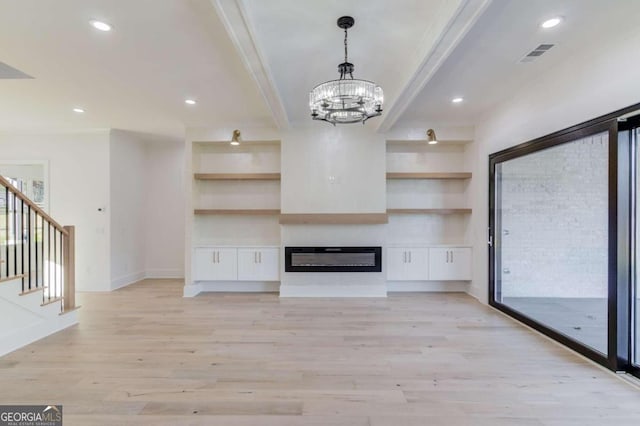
<point>328,290</point>
<point>427,286</point>
<point>126,280</point>
<point>164,273</point>
<point>191,290</point>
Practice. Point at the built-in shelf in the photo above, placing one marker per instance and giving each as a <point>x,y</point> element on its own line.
<point>237,176</point>
<point>244,144</point>
<point>245,212</point>
<point>334,219</point>
<point>424,142</point>
<point>428,211</point>
<point>431,175</point>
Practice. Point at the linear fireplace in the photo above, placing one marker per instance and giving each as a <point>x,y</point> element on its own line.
<point>333,259</point>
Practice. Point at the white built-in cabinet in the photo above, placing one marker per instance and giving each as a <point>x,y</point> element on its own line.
<point>407,264</point>
<point>236,204</point>
<point>429,264</point>
<point>450,264</point>
<point>215,264</point>
<point>236,234</point>
<point>236,264</point>
<point>428,198</point>
<point>258,264</point>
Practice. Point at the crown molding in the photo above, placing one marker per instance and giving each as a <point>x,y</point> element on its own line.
<point>462,20</point>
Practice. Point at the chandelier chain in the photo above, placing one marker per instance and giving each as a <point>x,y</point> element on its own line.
<point>345,45</point>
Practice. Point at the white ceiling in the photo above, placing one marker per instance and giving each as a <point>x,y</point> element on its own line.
<point>135,77</point>
<point>485,67</point>
<point>162,51</point>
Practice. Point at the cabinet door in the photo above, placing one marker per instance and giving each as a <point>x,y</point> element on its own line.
<point>215,264</point>
<point>417,265</point>
<point>269,262</point>
<point>258,264</point>
<point>396,260</point>
<point>450,264</point>
<point>407,264</point>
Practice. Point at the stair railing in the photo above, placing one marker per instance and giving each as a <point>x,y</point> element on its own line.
<point>36,248</point>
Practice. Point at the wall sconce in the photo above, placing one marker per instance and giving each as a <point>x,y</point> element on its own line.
<point>235,138</point>
<point>431,137</point>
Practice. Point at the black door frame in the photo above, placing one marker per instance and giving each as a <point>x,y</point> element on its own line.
<point>628,131</point>
<point>620,225</point>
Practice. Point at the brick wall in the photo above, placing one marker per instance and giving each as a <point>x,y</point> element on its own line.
<point>554,215</point>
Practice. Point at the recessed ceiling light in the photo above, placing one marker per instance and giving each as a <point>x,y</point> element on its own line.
<point>190,102</point>
<point>78,110</point>
<point>550,23</point>
<point>457,100</point>
<point>234,143</point>
<point>99,25</point>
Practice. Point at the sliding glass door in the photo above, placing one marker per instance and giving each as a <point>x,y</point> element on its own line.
<point>634,133</point>
<point>564,237</point>
<point>551,219</point>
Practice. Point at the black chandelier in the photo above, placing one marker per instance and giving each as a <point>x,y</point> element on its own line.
<point>346,100</point>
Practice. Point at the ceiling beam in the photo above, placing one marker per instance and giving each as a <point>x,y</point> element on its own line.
<point>458,25</point>
<point>234,18</point>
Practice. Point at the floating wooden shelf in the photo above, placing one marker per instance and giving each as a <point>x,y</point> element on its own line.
<point>334,219</point>
<point>419,175</point>
<point>424,142</point>
<point>428,211</point>
<point>245,212</point>
<point>237,176</point>
<point>225,144</point>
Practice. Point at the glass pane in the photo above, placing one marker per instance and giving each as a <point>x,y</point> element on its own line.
<point>636,300</point>
<point>552,236</point>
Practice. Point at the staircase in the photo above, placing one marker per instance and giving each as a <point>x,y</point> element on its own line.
<point>37,264</point>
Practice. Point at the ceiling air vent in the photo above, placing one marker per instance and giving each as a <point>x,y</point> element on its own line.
<point>8,72</point>
<point>537,52</point>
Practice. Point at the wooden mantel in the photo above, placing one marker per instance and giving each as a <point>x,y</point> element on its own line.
<point>334,218</point>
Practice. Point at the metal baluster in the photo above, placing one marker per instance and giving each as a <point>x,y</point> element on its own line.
<point>29,243</point>
<point>42,252</point>
<point>35,242</point>
<point>6,212</point>
<point>55,262</point>
<point>22,240</point>
<point>15,236</point>
<point>49,257</point>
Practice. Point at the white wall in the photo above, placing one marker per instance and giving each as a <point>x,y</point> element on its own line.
<point>79,185</point>
<point>584,86</point>
<point>329,169</point>
<point>147,201</point>
<point>127,208</point>
<point>138,185</point>
<point>164,207</point>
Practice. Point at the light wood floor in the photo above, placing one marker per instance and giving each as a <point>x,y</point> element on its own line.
<point>143,355</point>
